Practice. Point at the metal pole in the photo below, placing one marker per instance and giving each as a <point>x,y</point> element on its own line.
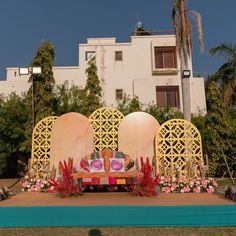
<point>33,121</point>
<point>186,98</point>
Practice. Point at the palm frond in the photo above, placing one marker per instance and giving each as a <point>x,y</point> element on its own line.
<point>198,18</point>
<point>226,50</point>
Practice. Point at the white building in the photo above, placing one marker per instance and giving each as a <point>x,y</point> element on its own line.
<point>147,67</point>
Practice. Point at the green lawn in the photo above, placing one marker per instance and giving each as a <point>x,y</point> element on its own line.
<point>150,231</point>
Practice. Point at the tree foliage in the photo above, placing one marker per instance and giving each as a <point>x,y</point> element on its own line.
<point>217,132</point>
<point>163,114</point>
<point>92,91</point>
<point>183,29</point>
<point>226,74</point>
<point>42,85</point>
<point>68,99</point>
<point>40,96</point>
<point>128,105</point>
<point>13,117</point>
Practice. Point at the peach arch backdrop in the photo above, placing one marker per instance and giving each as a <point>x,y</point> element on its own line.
<point>72,136</point>
<point>136,135</point>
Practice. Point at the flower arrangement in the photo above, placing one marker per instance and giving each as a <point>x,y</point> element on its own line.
<point>64,185</point>
<point>149,184</point>
<point>184,185</point>
<point>33,183</point>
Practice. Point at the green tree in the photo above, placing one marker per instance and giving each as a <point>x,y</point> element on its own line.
<point>41,98</point>
<point>163,114</point>
<point>183,30</point>
<point>13,116</point>
<point>217,132</point>
<point>232,153</point>
<point>42,85</point>
<point>128,105</point>
<point>92,91</point>
<point>68,99</point>
<point>200,122</point>
<point>226,75</point>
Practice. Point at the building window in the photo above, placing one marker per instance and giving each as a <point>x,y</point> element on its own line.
<point>118,56</point>
<point>165,57</point>
<point>167,96</point>
<point>119,94</point>
<point>89,55</point>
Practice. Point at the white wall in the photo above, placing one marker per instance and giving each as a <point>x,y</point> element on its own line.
<point>135,74</point>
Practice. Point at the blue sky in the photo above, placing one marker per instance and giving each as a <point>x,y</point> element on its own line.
<point>24,24</point>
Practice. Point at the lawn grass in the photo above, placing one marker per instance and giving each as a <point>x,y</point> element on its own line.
<point>127,231</point>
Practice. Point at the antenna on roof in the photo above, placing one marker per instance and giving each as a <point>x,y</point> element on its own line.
<point>139,24</point>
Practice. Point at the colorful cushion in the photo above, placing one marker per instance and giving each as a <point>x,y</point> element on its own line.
<point>117,165</point>
<point>96,165</point>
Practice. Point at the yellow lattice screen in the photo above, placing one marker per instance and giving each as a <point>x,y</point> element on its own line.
<point>105,122</point>
<point>41,143</point>
<point>178,148</point>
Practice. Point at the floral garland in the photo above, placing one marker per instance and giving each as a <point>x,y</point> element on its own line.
<point>184,185</point>
<point>33,183</point>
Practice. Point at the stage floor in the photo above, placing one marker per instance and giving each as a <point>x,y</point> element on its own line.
<point>115,198</point>
<point>32,209</point>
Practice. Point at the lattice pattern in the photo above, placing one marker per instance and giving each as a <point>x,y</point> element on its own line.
<point>178,148</point>
<point>41,143</point>
<point>105,122</point>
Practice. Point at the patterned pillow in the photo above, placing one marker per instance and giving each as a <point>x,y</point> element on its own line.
<point>117,165</point>
<point>96,165</point>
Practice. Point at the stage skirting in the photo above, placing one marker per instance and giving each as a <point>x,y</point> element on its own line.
<point>119,216</point>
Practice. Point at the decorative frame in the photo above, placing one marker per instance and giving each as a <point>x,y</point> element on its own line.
<point>178,146</point>
<point>105,122</point>
<point>40,156</point>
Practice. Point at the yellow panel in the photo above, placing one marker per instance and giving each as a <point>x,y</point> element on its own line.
<point>105,122</point>
<point>178,149</point>
<point>41,143</point>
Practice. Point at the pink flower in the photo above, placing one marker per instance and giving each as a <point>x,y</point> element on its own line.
<point>210,189</point>
<point>186,189</point>
<point>191,182</point>
<point>174,179</point>
<point>204,183</point>
<point>24,185</point>
<point>196,190</point>
<point>166,189</point>
<point>214,183</point>
<point>182,179</point>
<point>166,179</point>
<point>173,186</point>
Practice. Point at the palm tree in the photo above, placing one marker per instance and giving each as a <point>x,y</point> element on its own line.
<point>182,25</point>
<point>226,75</point>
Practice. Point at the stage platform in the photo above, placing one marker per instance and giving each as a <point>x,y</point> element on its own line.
<point>31,209</point>
<point>115,198</point>
<point>116,209</point>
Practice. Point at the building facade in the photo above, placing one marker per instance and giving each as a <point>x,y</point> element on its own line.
<point>148,67</point>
